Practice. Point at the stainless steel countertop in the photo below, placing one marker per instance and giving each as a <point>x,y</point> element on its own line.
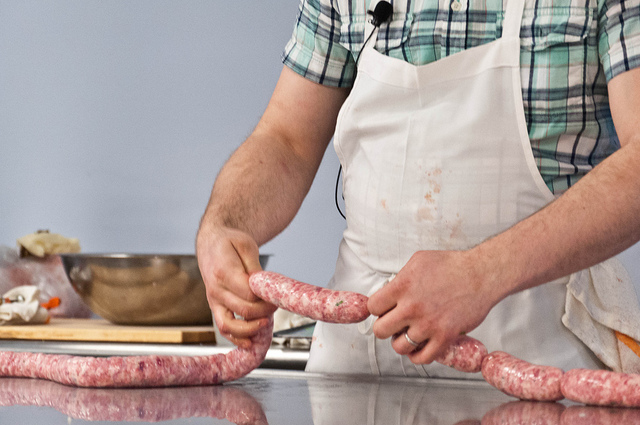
<point>292,397</point>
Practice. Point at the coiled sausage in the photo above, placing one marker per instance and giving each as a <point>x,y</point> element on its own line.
<point>138,371</point>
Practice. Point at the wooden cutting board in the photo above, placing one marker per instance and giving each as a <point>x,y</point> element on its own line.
<point>99,330</point>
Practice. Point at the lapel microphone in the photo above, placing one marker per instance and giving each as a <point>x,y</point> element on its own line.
<point>381,13</point>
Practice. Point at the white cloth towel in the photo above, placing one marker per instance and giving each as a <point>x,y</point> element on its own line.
<point>600,301</point>
<point>28,310</point>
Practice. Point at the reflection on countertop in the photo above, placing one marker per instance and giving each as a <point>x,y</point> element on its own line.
<point>530,413</point>
<point>285,397</point>
<point>134,405</point>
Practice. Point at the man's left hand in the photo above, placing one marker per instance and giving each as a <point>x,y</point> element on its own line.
<point>436,296</point>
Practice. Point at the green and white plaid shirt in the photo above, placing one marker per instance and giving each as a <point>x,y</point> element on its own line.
<point>570,49</point>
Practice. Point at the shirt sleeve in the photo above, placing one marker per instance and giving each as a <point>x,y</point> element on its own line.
<point>314,50</point>
<point>619,41</point>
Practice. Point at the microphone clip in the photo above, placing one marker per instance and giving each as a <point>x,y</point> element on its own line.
<point>381,13</point>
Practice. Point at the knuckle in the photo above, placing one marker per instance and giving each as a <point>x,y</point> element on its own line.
<point>423,327</point>
<point>213,295</point>
<point>416,258</point>
<point>244,311</point>
<point>400,284</point>
<point>218,275</point>
<point>449,335</point>
<point>414,309</point>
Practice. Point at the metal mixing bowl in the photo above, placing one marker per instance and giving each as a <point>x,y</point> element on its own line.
<point>141,289</point>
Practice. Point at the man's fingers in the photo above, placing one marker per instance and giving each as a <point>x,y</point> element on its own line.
<point>390,324</point>
<point>236,330</point>
<point>433,348</point>
<point>226,258</point>
<point>404,344</point>
<point>238,284</point>
<point>248,310</point>
<point>381,302</point>
<point>232,273</point>
<point>386,298</point>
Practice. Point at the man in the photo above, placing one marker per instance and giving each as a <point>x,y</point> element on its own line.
<point>480,178</point>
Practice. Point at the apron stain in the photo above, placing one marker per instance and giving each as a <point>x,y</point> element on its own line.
<point>425,214</point>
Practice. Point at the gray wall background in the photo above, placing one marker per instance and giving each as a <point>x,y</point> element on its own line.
<point>115,117</point>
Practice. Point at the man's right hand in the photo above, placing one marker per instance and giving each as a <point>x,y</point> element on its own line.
<point>226,258</point>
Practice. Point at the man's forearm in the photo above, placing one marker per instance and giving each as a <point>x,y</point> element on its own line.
<point>262,186</point>
<point>260,189</point>
<point>593,221</point>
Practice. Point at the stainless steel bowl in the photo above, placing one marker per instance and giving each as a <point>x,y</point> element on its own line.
<point>141,289</point>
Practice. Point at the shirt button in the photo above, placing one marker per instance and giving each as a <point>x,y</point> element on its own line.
<point>456,6</point>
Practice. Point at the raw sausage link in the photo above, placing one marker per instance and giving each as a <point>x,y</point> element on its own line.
<point>162,371</point>
<point>326,305</point>
<point>307,300</point>
<point>522,379</point>
<point>602,387</point>
<point>138,371</point>
<point>465,355</point>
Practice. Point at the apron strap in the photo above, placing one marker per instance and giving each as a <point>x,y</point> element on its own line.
<point>366,328</point>
<point>513,18</point>
<point>373,356</point>
<point>372,402</point>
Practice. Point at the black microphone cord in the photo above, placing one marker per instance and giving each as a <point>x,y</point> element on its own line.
<point>336,193</point>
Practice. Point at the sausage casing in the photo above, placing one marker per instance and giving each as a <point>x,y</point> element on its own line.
<point>602,387</point>
<point>307,300</point>
<point>522,379</point>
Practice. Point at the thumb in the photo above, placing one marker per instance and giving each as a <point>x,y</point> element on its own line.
<point>251,264</point>
<point>250,257</point>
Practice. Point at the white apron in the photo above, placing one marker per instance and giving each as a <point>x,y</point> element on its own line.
<point>438,157</point>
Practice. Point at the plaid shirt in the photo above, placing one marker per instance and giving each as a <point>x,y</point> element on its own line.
<point>570,49</point>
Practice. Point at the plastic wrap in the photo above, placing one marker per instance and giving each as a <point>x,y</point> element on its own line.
<point>47,274</point>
